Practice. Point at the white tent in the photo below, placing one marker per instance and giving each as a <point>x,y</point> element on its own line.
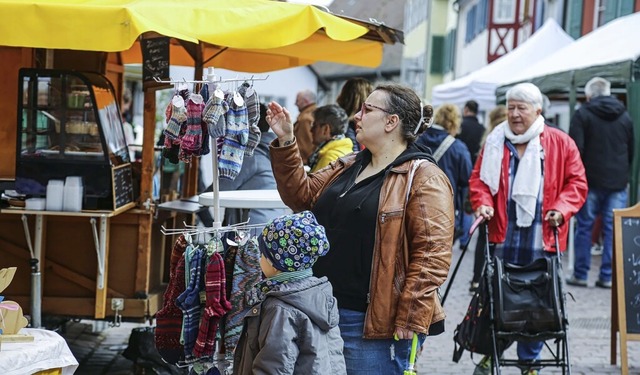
<point>611,51</point>
<point>481,84</point>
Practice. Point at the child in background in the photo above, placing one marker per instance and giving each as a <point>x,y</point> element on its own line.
<point>292,327</point>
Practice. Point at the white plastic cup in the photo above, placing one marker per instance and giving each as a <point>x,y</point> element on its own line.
<point>55,195</point>
<point>73,190</point>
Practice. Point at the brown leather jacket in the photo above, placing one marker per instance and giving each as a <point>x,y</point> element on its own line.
<point>405,276</point>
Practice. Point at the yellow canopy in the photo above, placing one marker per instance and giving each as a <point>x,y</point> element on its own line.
<point>253,35</point>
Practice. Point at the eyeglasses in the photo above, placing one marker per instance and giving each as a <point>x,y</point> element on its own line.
<point>366,108</point>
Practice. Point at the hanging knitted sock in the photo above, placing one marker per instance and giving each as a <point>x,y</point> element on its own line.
<point>246,274</point>
<point>189,303</point>
<point>213,115</point>
<point>232,151</point>
<point>216,306</point>
<point>169,318</point>
<point>205,139</point>
<point>237,123</point>
<point>177,121</point>
<point>171,150</point>
<point>254,140</point>
<point>252,102</point>
<point>192,139</point>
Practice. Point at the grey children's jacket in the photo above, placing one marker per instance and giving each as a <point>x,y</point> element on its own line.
<point>293,331</point>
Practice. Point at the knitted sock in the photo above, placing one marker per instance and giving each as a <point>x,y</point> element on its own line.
<point>176,122</point>
<point>205,140</point>
<point>252,102</point>
<point>216,306</point>
<point>169,317</point>
<point>189,303</point>
<point>246,274</point>
<point>192,139</point>
<point>254,140</point>
<point>237,123</point>
<point>231,156</point>
<point>213,116</point>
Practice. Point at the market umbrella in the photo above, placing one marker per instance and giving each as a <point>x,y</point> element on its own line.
<point>253,35</point>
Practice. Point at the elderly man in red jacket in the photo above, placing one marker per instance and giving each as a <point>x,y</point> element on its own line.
<point>528,178</point>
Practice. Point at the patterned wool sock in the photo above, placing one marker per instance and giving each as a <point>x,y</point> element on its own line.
<point>215,307</point>
<point>169,317</point>
<point>213,115</point>
<point>192,139</point>
<point>231,156</point>
<point>254,140</point>
<point>177,121</point>
<point>237,123</point>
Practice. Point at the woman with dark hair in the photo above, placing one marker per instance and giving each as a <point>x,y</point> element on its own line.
<point>388,213</point>
<point>354,92</point>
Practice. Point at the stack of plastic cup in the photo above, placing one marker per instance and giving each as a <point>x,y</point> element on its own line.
<point>55,195</point>
<point>73,194</point>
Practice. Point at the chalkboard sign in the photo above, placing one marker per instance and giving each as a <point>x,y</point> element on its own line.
<point>155,58</point>
<point>122,185</point>
<point>630,257</point>
<point>625,301</point>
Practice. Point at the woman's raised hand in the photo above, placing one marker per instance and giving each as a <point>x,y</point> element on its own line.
<point>279,120</point>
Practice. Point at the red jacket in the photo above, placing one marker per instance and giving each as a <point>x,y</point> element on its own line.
<point>565,187</point>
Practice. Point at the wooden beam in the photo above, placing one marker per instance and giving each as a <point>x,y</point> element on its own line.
<point>101,294</point>
<point>143,260</point>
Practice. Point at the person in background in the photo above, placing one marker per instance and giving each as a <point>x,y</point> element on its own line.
<point>450,153</point>
<point>471,130</point>
<point>546,104</point>
<point>603,132</point>
<point>354,92</point>
<point>292,327</point>
<point>129,134</point>
<point>329,125</point>
<point>306,103</point>
<point>389,215</point>
<point>496,117</point>
<point>528,179</point>
<point>255,174</point>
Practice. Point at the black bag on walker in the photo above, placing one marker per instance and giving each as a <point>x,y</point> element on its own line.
<point>527,298</point>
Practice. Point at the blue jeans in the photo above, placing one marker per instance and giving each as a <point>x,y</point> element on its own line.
<point>599,201</point>
<point>364,356</point>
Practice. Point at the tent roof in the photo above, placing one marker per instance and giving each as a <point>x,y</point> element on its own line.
<point>481,84</point>
<point>608,51</point>
<point>293,34</point>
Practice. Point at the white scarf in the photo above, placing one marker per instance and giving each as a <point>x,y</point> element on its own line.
<point>526,184</point>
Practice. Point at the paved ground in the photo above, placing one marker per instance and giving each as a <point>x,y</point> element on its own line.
<point>99,350</point>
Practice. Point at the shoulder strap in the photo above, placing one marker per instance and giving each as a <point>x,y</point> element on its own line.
<point>444,146</point>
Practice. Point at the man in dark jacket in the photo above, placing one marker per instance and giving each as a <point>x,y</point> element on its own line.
<point>603,132</point>
<point>471,130</point>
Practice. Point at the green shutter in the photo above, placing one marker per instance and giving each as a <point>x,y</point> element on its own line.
<point>626,7</point>
<point>574,19</point>
<point>437,54</point>
<point>450,49</point>
<point>610,11</point>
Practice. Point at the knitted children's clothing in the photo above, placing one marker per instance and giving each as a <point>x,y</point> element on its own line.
<point>235,140</point>
<point>251,101</point>
<point>246,273</point>
<point>189,303</point>
<point>205,140</point>
<point>169,318</point>
<point>254,140</point>
<point>177,121</point>
<point>213,115</point>
<point>192,139</point>
<point>216,306</point>
<point>237,122</point>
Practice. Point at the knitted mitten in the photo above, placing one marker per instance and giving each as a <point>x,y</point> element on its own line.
<point>252,102</point>
<point>237,123</point>
<point>254,140</point>
<point>205,140</point>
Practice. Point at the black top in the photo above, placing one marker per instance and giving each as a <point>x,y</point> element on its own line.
<point>349,213</point>
<point>603,132</point>
<point>471,132</point>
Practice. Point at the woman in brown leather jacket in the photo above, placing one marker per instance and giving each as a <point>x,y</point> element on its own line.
<point>388,213</point>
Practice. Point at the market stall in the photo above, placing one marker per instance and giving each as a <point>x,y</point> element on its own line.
<point>109,260</point>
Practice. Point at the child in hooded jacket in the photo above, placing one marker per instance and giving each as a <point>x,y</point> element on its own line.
<point>292,326</point>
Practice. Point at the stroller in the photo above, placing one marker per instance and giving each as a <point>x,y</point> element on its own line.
<point>525,303</point>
